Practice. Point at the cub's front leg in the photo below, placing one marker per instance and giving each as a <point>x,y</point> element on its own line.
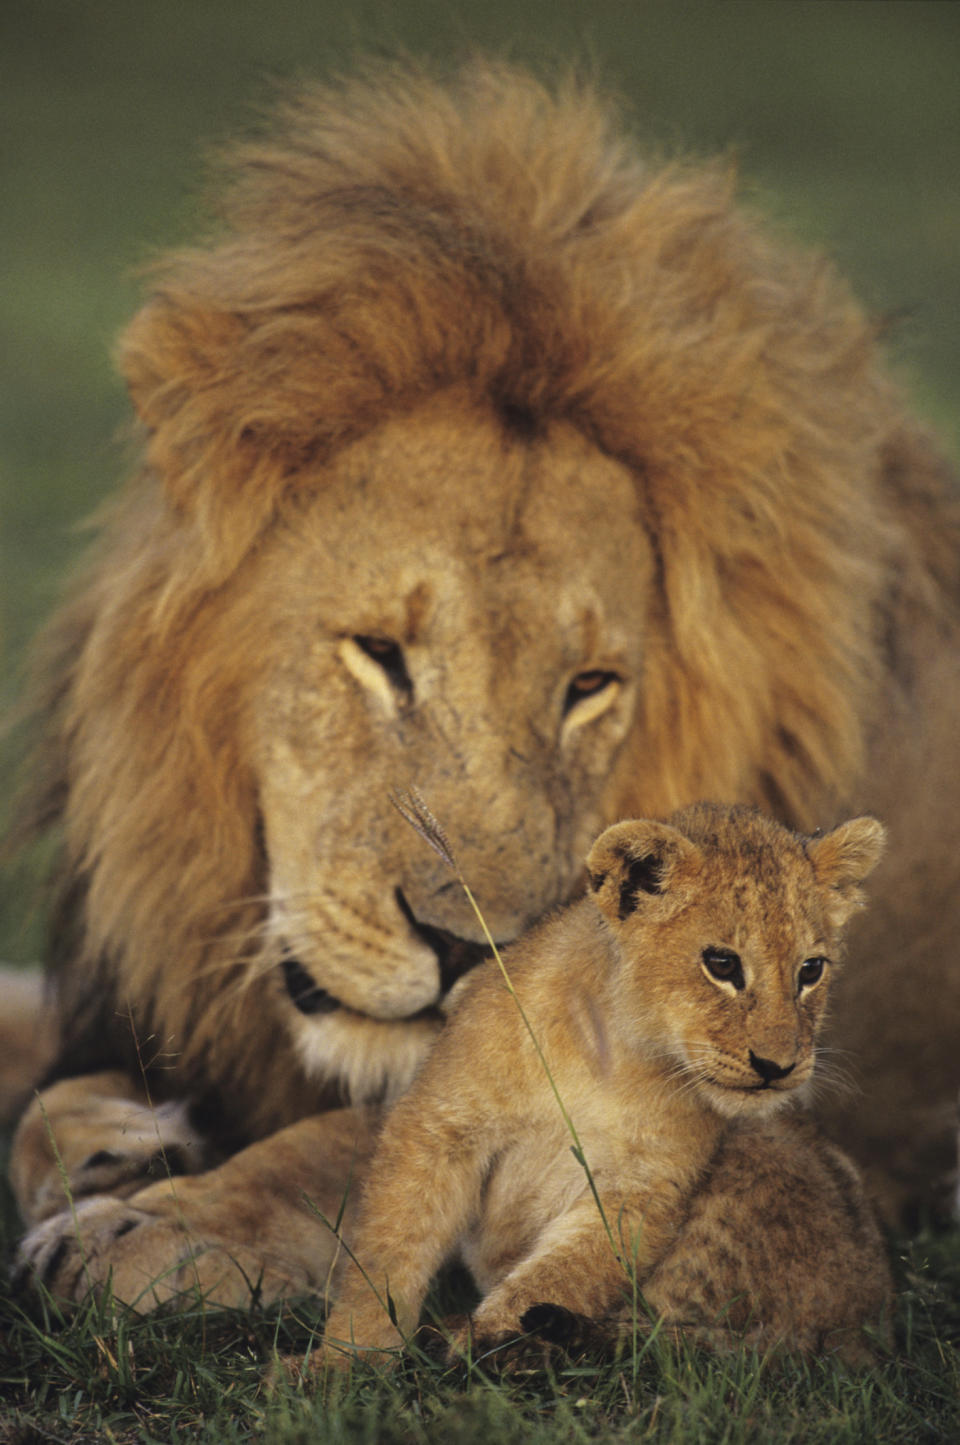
<point>425,1186</point>
<point>250,1226</point>
<point>584,1262</point>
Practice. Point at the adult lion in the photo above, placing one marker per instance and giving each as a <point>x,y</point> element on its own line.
<point>482,456</point>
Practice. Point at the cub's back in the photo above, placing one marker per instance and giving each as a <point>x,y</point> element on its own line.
<point>780,1246</point>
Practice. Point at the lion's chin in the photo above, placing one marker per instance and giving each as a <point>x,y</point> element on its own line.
<point>373,1060</point>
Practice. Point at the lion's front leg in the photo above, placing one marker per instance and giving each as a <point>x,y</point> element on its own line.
<point>97,1135</point>
<point>253,1226</point>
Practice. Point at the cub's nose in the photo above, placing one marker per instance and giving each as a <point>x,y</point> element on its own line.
<point>768,1070</point>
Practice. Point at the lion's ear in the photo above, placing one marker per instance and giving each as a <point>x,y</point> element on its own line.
<point>195,393</point>
<point>152,364</point>
<point>177,352</point>
<point>638,865</point>
<point>841,860</point>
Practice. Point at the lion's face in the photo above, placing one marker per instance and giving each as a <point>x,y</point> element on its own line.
<point>456,608</point>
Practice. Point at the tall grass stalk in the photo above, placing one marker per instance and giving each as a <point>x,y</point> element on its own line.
<point>413,807</point>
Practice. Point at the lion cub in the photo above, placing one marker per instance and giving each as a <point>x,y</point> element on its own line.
<point>676,1006</point>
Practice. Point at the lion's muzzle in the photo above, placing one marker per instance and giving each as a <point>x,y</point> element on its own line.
<point>455,957</point>
<point>306,995</point>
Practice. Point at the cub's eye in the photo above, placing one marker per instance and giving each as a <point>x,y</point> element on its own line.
<point>810,972</point>
<point>724,965</point>
<point>588,684</point>
<point>389,655</point>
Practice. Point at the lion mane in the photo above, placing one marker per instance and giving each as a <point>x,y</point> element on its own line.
<point>392,239</point>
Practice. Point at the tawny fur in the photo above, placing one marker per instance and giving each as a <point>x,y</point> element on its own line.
<point>620,478</point>
<point>675,1018</point>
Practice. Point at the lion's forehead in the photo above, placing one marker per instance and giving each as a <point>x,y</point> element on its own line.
<point>444,508</point>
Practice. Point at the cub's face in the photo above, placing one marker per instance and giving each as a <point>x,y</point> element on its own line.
<point>746,992</point>
<point>435,619</point>
<point>728,930</point>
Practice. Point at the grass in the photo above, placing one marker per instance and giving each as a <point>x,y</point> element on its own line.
<point>97,1375</point>
<point>845,114</point>
<point>100,1372</point>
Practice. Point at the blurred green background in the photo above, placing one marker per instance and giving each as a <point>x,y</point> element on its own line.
<point>845,116</point>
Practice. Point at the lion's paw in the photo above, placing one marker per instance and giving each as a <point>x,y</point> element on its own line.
<point>146,1255</point>
<point>146,1144</point>
<point>112,1146</point>
<point>71,1254</point>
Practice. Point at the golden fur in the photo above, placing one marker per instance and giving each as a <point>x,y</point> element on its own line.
<point>482,454</point>
<point>676,1009</point>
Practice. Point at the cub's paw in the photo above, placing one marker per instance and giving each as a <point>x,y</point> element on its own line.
<point>324,1362</point>
<point>445,1341</point>
<point>551,1322</point>
<point>573,1333</point>
<point>295,1371</point>
<point>546,1333</point>
<point>469,1342</point>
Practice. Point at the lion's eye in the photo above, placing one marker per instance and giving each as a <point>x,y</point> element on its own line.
<point>810,972</point>
<point>724,965</point>
<point>588,684</point>
<point>389,655</point>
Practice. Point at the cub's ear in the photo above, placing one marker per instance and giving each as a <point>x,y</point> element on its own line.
<point>634,864</point>
<point>841,860</point>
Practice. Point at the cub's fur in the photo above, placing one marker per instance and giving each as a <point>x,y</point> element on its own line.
<point>677,1007</point>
